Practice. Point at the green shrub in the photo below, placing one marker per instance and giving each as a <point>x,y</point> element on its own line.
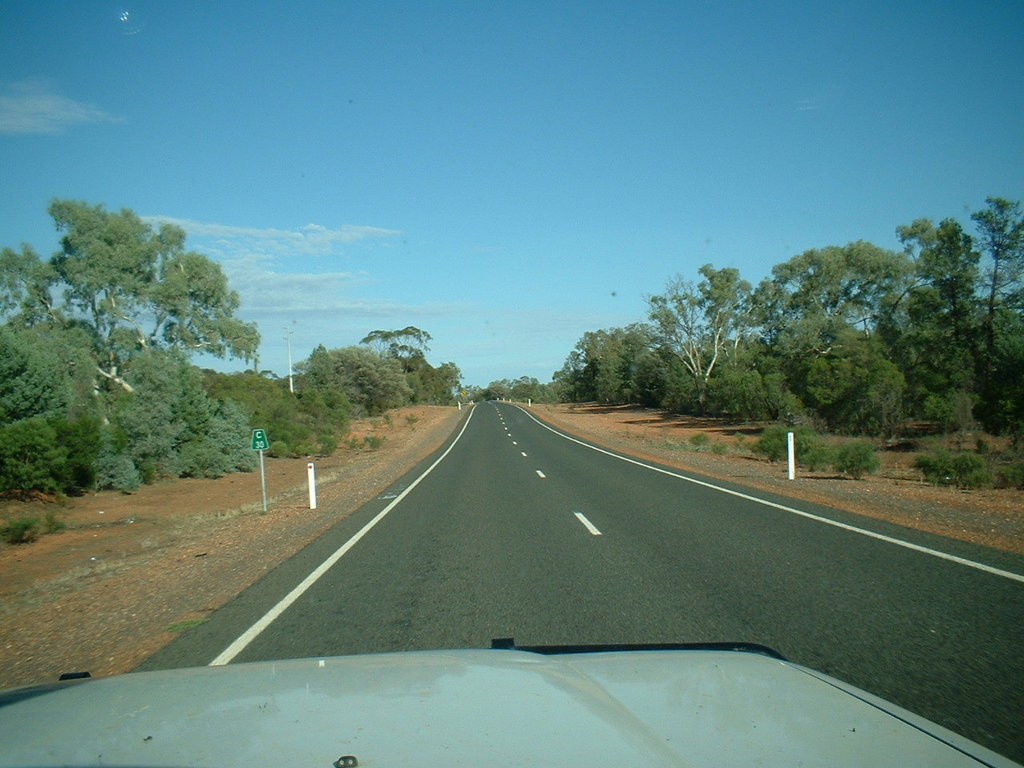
<point>856,459</point>
<point>1011,476</point>
<point>373,442</point>
<point>810,451</point>
<point>27,528</point>
<point>21,530</point>
<point>699,441</point>
<point>52,523</point>
<point>83,440</point>
<point>971,471</point>
<point>773,444</point>
<point>815,455</point>
<point>201,458</point>
<point>327,443</point>
<point>116,471</point>
<point>719,448</point>
<point>223,449</point>
<point>31,458</point>
<point>965,470</point>
<point>937,467</point>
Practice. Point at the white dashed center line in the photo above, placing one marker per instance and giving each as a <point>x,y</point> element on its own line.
<point>589,525</point>
<point>540,474</point>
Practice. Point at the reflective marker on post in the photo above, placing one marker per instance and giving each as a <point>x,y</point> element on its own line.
<point>311,474</point>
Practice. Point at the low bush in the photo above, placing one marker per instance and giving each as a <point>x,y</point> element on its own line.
<point>31,457</point>
<point>856,459</point>
<point>815,456</point>
<point>27,528</point>
<point>1011,476</point>
<point>52,523</point>
<point>773,444</point>
<point>971,471</point>
<point>811,452</point>
<point>116,471</point>
<point>937,467</point>
<point>21,530</point>
<point>964,470</point>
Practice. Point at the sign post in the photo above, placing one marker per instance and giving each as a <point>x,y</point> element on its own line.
<point>260,443</point>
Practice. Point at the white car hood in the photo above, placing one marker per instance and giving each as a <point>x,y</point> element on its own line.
<point>475,708</point>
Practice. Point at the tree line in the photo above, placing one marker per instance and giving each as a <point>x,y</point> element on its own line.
<point>857,339</point>
<point>97,389</point>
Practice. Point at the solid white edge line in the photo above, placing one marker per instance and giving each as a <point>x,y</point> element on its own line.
<point>268,618</point>
<point>589,525</point>
<point>818,518</point>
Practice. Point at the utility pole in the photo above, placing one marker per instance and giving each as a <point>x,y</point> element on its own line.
<point>288,338</point>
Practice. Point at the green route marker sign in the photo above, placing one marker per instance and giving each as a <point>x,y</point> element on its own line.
<point>260,443</point>
<point>259,440</point>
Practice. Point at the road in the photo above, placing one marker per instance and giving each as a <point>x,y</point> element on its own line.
<point>518,531</point>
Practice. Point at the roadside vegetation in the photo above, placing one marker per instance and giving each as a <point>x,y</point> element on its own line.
<point>864,346</point>
<point>850,340</point>
<point>97,389</point>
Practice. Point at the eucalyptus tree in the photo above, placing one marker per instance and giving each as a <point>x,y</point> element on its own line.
<point>121,303</point>
<point>1001,239</point>
<point>935,336</point>
<point>820,313</point>
<point>371,382</point>
<point>616,365</point>
<point>136,288</point>
<point>25,287</point>
<point>130,287</point>
<point>702,323</point>
<point>813,296</point>
<point>402,344</point>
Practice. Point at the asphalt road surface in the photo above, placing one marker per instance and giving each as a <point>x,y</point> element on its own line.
<point>514,530</point>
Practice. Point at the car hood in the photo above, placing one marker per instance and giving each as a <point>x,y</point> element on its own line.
<point>475,707</point>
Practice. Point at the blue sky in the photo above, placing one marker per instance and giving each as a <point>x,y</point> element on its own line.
<point>504,175</point>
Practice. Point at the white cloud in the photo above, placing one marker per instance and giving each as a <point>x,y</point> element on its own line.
<point>265,290</point>
<point>33,107</point>
<point>276,272</point>
<point>269,243</point>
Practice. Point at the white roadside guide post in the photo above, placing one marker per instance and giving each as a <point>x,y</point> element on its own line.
<point>791,449</point>
<point>311,476</point>
<point>260,443</point>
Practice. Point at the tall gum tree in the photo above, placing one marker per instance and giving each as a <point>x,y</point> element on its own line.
<point>701,323</point>
<point>127,286</point>
<point>137,288</point>
<point>1001,238</point>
